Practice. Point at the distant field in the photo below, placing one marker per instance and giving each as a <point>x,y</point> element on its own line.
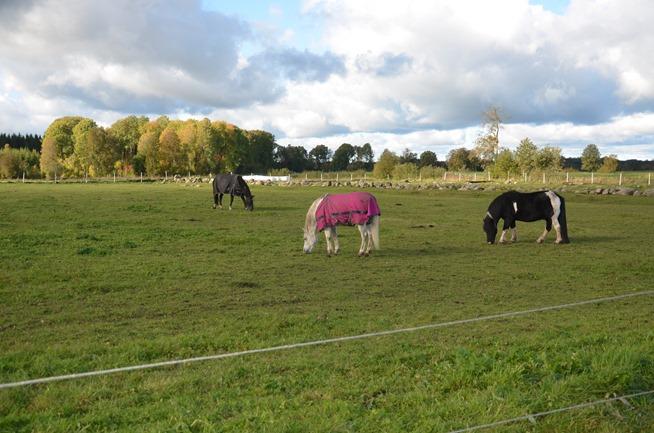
<point>99,276</point>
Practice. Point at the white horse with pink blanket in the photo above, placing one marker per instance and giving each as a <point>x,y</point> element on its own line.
<point>355,208</point>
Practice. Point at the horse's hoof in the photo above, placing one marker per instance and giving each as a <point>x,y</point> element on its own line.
<point>539,241</point>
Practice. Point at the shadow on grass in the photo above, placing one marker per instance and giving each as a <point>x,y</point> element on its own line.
<point>276,208</point>
<point>593,239</point>
<point>425,251</point>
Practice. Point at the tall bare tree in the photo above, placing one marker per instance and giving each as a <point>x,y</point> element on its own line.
<point>487,145</point>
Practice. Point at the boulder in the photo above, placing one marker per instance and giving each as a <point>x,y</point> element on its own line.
<point>625,191</point>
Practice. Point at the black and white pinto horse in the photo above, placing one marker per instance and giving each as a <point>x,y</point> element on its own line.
<point>515,206</point>
<point>355,208</point>
<point>234,185</point>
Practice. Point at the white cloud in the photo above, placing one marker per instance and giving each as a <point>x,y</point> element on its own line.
<point>156,56</point>
<point>416,73</point>
<point>629,136</point>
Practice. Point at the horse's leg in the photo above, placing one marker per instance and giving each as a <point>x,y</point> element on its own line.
<point>548,227</point>
<point>231,201</point>
<point>215,200</point>
<point>328,240</point>
<point>220,200</point>
<point>368,233</point>
<point>337,247</point>
<point>514,234</point>
<point>505,228</point>
<point>362,248</point>
<point>243,199</point>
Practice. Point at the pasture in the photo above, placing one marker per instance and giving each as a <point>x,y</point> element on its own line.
<point>101,276</point>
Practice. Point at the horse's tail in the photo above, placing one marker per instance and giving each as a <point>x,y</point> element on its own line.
<point>563,223</point>
<point>374,231</point>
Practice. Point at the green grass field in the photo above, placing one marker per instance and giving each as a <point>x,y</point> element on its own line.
<point>102,276</point>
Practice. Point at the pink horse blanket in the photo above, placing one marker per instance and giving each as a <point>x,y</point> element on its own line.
<point>354,208</point>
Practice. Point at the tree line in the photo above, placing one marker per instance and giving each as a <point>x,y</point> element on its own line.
<point>19,141</point>
<point>76,146</point>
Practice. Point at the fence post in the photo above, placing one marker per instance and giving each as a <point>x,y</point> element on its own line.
<point>114,176</point>
<point>620,178</point>
<point>336,176</point>
<point>475,176</point>
<point>445,176</point>
<point>592,178</point>
<point>543,177</point>
<point>321,176</point>
<point>306,176</point>
<point>141,177</point>
<point>55,181</point>
<point>351,177</point>
<point>23,177</point>
<point>649,178</point>
<point>567,176</point>
<point>459,176</point>
<point>166,178</point>
<point>489,175</point>
<point>365,175</point>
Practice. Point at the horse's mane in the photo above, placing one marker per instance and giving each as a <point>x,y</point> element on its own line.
<point>243,186</point>
<point>310,222</point>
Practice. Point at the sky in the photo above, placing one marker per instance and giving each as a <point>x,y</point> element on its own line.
<point>412,74</point>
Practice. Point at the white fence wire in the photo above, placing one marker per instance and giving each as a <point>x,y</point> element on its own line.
<point>532,417</point>
<point>175,362</point>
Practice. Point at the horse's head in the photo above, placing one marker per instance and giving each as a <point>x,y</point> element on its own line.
<point>310,239</point>
<point>249,202</point>
<point>490,227</point>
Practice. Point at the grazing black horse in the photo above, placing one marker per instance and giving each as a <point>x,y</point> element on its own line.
<point>515,206</point>
<point>231,184</point>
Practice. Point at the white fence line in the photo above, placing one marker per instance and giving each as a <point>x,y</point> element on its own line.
<point>262,178</point>
<point>633,178</point>
<point>317,342</point>
<point>532,417</point>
